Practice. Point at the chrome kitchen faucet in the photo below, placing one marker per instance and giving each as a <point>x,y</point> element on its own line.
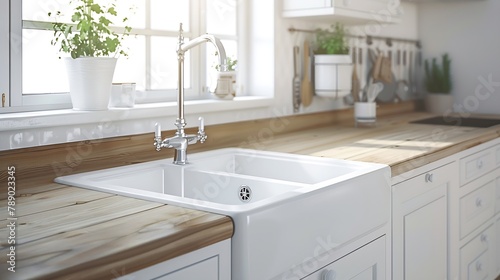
<point>181,140</point>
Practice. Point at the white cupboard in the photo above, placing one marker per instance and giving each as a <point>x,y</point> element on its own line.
<point>419,224</point>
<point>348,12</point>
<point>209,263</point>
<point>365,263</point>
<point>474,239</point>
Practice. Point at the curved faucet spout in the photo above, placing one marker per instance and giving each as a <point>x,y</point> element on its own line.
<point>203,39</point>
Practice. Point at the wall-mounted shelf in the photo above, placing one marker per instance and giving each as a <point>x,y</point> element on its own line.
<point>354,12</point>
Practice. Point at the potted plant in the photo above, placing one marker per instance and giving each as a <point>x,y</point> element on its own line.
<point>93,48</point>
<point>225,86</point>
<point>438,85</point>
<point>332,63</point>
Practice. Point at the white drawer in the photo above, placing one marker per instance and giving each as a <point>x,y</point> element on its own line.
<point>367,262</point>
<point>475,165</point>
<point>476,256</point>
<point>477,207</point>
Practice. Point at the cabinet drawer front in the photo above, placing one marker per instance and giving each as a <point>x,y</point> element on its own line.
<point>475,256</point>
<point>478,268</point>
<point>477,207</point>
<point>475,165</point>
<point>366,263</point>
<point>423,183</point>
<point>207,269</point>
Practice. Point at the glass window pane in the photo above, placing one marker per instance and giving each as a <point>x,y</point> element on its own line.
<point>221,17</point>
<point>134,10</point>
<point>43,71</point>
<point>167,14</point>
<point>132,69</point>
<point>163,72</point>
<point>37,10</point>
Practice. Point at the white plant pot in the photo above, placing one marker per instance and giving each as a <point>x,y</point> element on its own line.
<point>90,82</point>
<point>439,103</point>
<point>223,85</point>
<point>332,75</point>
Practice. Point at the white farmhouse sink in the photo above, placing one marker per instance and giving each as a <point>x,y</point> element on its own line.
<point>280,203</point>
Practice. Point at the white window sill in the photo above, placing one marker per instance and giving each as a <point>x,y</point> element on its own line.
<point>38,128</point>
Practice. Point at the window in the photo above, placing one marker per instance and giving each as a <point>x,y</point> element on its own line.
<point>41,80</point>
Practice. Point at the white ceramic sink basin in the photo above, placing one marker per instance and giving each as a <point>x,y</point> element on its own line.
<point>280,203</point>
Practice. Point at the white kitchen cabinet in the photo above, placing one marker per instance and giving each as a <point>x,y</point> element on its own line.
<point>420,223</point>
<point>209,263</point>
<point>347,12</point>
<point>476,257</point>
<point>474,235</point>
<point>365,263</point>
<point>477,207</point>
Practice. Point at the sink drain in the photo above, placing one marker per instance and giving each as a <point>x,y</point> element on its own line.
<point>245,193</point>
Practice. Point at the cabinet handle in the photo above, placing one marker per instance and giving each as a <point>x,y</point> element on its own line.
<point>479,163</point>
<point>3,99</point>
<point>484,238</point>
<point>479,266</point>
<point>429,177</point>
<point>328,274</point>
<point>479,202</point>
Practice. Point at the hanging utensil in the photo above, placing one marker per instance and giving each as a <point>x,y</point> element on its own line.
<point>306,92</point>
<point>402,89</point>
<point>296,80</point>
<point>355,81</point>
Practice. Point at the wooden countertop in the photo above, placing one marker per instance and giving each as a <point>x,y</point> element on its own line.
<point>67,232</point>
<point>71,233</point>
<point>392,141</point>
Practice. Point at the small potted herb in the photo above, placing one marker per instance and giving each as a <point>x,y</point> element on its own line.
<point>438,85</point>
<point>332,62</point>
<point>93,48</point>
<point>225,84</point>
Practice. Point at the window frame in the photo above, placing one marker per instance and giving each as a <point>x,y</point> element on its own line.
<point>34,102</point>
<point>4,53</point>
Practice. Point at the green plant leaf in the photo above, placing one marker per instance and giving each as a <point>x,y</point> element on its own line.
<point>90,34</point>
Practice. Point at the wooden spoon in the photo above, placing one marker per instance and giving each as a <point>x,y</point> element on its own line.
<point>306,92</point>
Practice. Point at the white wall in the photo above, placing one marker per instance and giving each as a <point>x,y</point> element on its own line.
<point>285,40</point>
<point>468,31</point>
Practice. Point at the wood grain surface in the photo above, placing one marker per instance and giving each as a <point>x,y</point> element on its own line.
<point>107,237</point>
<point>70,233</point>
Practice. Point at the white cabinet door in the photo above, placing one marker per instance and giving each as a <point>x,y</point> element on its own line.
<point>365,263</point>
<point>209,263</point>
<point>420,225</point>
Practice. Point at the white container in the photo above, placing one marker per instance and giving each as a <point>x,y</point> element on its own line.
<point>332,75</point>
<point>122,95</point>
<point>90,82</point>
<point>365,112</point>
<point>439,103</point>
